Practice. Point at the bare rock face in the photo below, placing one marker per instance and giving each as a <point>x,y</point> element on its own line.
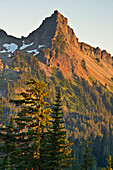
<point>49,29</point>
<point>87,49</point>
<point>62,24</point>
<point>97,52</point>
<point>55,44</point>
<point>5,38</point>
<point>106,57</point>
<point>3,35</point>
<point>45,33</point>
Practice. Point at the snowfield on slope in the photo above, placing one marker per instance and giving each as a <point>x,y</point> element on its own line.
<point>33,51</point>
<point>10,48</point>
<point>25,45</point>
<point>40,46</point>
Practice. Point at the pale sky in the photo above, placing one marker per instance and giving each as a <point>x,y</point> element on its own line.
<point>91,20</point>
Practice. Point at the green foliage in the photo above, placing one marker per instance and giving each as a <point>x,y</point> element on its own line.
<point>86,157</point>
<point>7,147</point>
<point>87,109</point>
<point>56,153</point>
<point>72,65</point>
<point>1,111</point>
<point>8,166</point>
<point>47,51</point>
<point>83,64</point>
<point>52,53</point>
<point>91,78</point>
<point>59,42</point>
<point>98,60</point>
<point>109,166</point>
<point>111,87</point>
<point>31,122</point>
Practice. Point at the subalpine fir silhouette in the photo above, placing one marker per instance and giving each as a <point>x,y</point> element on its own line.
<point>31,122</point>
<point>86,156</point>
<point>56,152</point>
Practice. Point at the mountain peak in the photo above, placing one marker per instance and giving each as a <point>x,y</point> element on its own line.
<point>64,29</point>
<point>59,17</point>
<point>55,44</point>
<point>56,12</point>
<point>49,29</point>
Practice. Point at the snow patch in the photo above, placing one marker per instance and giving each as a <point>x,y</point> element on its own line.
<point>9,48</point>
<point>40,46</point>
<point>25,45</point>
<point>9,55</point>
<point>4,51</point>
<point>33,51</point>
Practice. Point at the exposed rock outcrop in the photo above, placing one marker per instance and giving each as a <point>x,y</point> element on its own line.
<point>106,57</point>
<point>97,52</point>
<point>55,44</point>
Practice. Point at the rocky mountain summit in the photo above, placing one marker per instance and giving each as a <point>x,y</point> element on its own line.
<point>53,54</point>
<point>55,44</point>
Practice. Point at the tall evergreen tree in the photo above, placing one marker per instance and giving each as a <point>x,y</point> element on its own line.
<point>31,122</point>
<point>56,151</point>
<point>8,166</point>
<point>86,156</point>
<point>7,147</point>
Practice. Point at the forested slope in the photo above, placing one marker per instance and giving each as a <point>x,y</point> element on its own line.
<point>83,73</point>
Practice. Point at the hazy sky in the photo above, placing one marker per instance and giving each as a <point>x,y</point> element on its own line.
<point>91,20</point>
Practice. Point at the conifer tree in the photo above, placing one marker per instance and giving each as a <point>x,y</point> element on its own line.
<point>31,122</point>
<point>109,166</point>
<point>56,151</point>
<point>1,112</point>
<point>86,157</point>
<point>7,147</point>
<point>8,166</point>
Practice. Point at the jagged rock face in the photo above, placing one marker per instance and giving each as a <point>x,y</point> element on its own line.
<point>3,35</point>
<point>45,33</point>
<point>55,45</point>
<point>87,49</point>
<point>4,38</point>
<point>49,30</point>
<point>62,24</point>
<point>98,52</point>
<point>106,57</point>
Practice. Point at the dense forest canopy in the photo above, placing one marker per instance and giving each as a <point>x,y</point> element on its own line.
<point>87,109</point>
